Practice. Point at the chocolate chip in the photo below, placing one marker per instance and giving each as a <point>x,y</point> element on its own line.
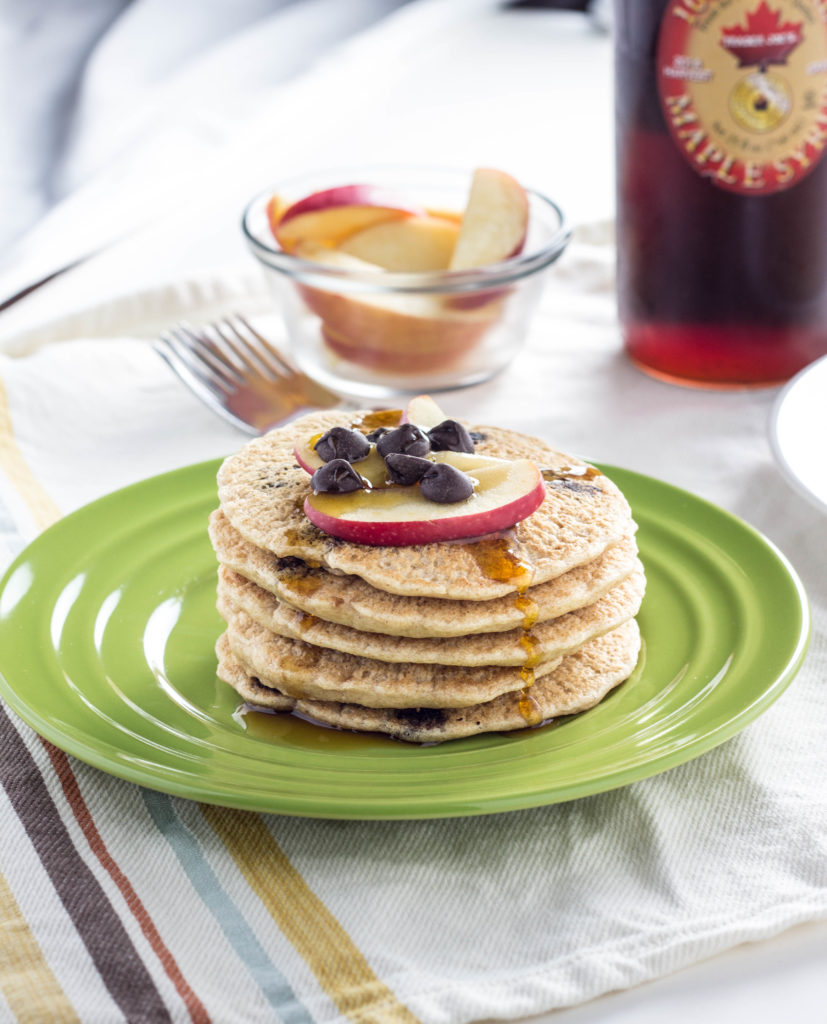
<point>336,477</point>
<point>450,436</point>
<point>374,435</point>
<point>406,469</point>
<point>341,443</point>
<point>406,439</point>
<point>445,484</point>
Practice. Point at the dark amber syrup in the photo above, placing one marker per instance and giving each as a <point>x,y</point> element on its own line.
<point>584,472</point>
<point>499,559</point>
<point>379,418</point>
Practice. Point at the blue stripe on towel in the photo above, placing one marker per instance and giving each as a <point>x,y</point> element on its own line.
<point>229,918</point>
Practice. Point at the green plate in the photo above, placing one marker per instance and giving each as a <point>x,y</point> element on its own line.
<point>107,626</point>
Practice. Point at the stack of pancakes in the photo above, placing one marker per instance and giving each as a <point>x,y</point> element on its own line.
<point>428,642</point>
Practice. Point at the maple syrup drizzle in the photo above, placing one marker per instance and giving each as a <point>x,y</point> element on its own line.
<point>379,418</point>
<point>529,645</point>
<point>529,708</point>
<point>302,583</point>
<point>306,621</point>
<point>529,609</point>
<point>584,472</point>
<point>499,560</point>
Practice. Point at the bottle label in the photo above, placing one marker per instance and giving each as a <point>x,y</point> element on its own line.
<point>743,86</point>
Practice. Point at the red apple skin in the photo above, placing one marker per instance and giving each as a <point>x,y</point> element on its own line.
<point>331,216</point>
<point>395,334</point>
<point>304,463</point>
<point>350,195</point>
<point>398,361</point>
<point>405,533</point>
<point>476,300</point>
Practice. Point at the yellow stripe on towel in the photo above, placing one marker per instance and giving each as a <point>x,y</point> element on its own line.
<point>340,968</point>
<point>43,509</point>
<point>31,990</point>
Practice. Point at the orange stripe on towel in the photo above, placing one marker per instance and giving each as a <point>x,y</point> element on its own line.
<point>71,790</point>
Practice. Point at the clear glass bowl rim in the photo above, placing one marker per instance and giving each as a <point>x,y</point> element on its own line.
<point>477,279</point>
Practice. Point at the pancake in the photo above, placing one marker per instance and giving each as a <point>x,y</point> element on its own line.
<point>545,641</point>
<point>350,601</point>
<point>261,491</point>
<point>580,681</point>
<point>302,670</point>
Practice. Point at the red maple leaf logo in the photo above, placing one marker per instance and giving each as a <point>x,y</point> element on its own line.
<point>764,39</point>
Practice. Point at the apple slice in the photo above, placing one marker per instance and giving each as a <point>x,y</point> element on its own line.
<point>424,412</point>
<point>373,467</point>
<point>408,245</point>
<point>495,221</point>
<point>402,333</point>
<point>328,217</point>
<point>506,493</point>
<point>275,208</point>
<point>318,252</point>
<point>412,352</point>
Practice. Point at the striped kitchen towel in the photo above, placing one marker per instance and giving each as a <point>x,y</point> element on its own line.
<point>119,903</point>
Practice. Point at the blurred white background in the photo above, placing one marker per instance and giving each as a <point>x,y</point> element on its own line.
<point>117,115</point>
<point>90,85</point>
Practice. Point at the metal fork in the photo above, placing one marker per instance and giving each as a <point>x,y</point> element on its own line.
<point>240,375</point>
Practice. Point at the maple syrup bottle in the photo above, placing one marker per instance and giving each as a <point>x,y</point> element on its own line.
<point>721,127</point>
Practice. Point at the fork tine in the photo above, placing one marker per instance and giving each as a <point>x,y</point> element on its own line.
<point>244,350</point>
<point>239,374</point>
<point>200,385</point>
<point>207,351</point>
<point>279,362</point>
<point>218,383</point>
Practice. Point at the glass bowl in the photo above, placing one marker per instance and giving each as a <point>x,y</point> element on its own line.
<point>371,333</point>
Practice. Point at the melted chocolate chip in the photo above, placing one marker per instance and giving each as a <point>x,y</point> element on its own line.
<point>336,477</point>
<point>418,717</point>
<point>341,443</point>
<point>406,469</point>
<point>445,485</point>
<point>450,436</point>
<point>406,439</point>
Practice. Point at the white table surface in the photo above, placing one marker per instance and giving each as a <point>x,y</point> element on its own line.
<point>525,91</point>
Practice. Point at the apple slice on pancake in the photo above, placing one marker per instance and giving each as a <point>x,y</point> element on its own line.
<point>505,493</point>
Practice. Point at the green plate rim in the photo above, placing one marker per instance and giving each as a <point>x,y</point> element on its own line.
<point>281,804</point>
